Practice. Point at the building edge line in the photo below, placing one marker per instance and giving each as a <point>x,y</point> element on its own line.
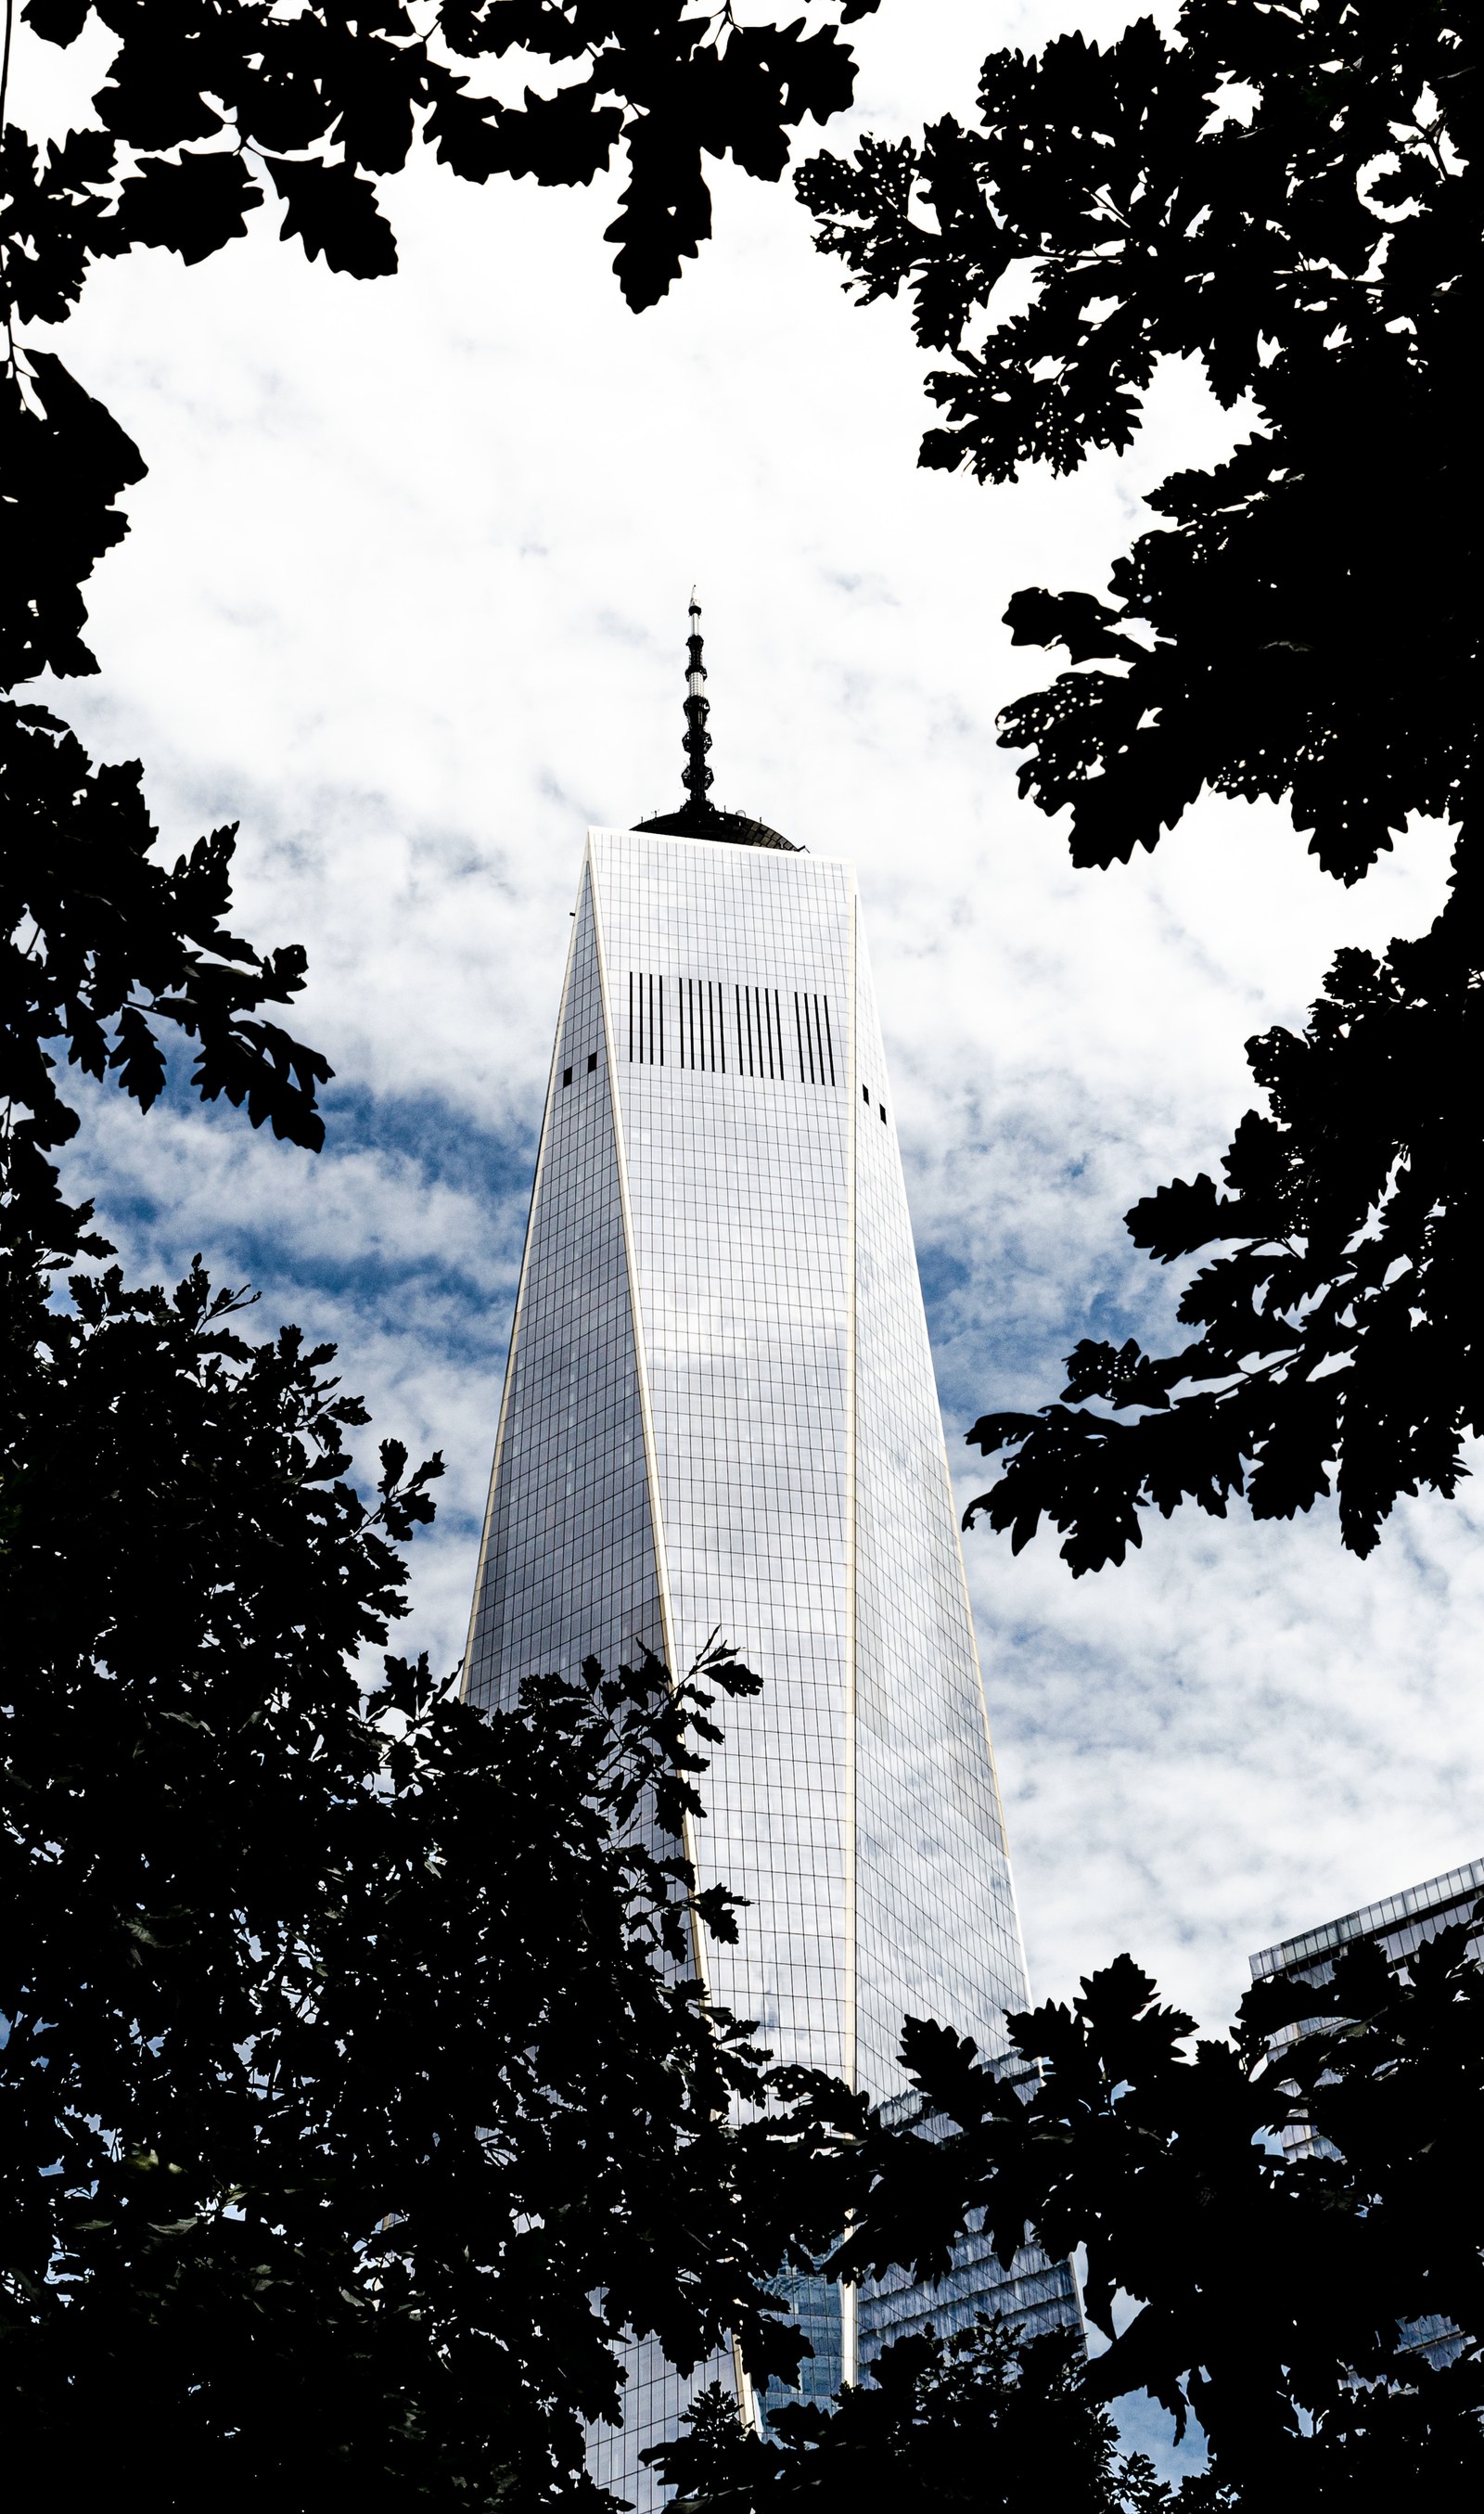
<point>983,1698</point>
<point>518,1314</point>
<point>849,2295</point>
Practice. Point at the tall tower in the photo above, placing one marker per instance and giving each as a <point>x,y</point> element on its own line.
<point>720,1412</point>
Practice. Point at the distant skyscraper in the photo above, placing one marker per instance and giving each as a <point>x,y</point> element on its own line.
<point>1397,1926</point>
<point>720,1412</point>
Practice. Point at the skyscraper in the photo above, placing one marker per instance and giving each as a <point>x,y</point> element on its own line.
<point>720,1412</point>
<point>1398,1925</point>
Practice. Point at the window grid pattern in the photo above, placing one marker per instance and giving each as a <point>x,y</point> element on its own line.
<point>937,1929</point>
<point>569,1562</point>
<point>656,2398</point>
<point>748,1254</point>
<point>739,1205</point>
<point>741,1212</point>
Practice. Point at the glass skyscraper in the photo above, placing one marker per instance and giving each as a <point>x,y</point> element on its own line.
<point>1397,1926</point>
<point>720,1414</point>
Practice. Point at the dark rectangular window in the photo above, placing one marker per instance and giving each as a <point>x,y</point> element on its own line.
<point>883,1113</point>
<point>646,1020</point>
<point>866,1095</point>
<point>817,1056</point>
<point>699,1020</point>
<point>566,1075</point>
<point>592,1062</point>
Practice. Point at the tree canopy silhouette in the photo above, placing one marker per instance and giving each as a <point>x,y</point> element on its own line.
<point>1291,194</point>
<point>982,2423</point>
<point>1284,2240</point>
<point>357,2093</point>
<point>207,102</point>
<point>355,2088</point>
<point>348,2116</point>
<point>208,107</point>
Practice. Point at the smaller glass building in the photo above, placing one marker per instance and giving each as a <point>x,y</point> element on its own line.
<point>1398,1924</point>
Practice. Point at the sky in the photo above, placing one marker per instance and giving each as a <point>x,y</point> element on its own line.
<point>404,596</point>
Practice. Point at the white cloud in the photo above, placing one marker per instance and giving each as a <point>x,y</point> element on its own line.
<point>405,593</point>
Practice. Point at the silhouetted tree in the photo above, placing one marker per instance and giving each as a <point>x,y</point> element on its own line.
<point>355,2094</point>
<point>975,2423</point>
<point>1290,194</point>
<point>206,103</point>
<point>1275,2291</point>
<point>357,2090</point>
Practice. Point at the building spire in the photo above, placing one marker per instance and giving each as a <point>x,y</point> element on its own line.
<point>698,707</point>
<point>699,816</point>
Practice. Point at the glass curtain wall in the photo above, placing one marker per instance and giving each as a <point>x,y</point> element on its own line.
<point>720,1414</point>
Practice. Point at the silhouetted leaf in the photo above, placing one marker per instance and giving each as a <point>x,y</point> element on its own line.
<point>564,139</point>
<point>334,212</point>
<point>63,460</point>
<point>192,208</point>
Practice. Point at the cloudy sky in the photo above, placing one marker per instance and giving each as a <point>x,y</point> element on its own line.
<point>405,596</point>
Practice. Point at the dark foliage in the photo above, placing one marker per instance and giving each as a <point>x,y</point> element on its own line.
<point>1277,2290</point>
<point>1291,195</point>
<point>207,102</point>
<point>356,2091</point>
<point>976,2423</point>
<point>107,952</point>
<point>208,106</point>
<point>1344,1324</point>
<point>103,954</point>
<point>352,2043</point>
<point>355,2088</point>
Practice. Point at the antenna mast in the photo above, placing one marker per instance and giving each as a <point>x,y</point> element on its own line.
<point>698,707</point>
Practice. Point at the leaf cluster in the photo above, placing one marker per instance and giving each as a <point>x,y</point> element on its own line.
<point>1277,2215</point>
<point>102,949</point>
<point>1288,194</point>
<point>1318,255</point>
<point>356,2093</point>
<point>1336,1343</point>
<point>109,952</point>
<point>208,101</point>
